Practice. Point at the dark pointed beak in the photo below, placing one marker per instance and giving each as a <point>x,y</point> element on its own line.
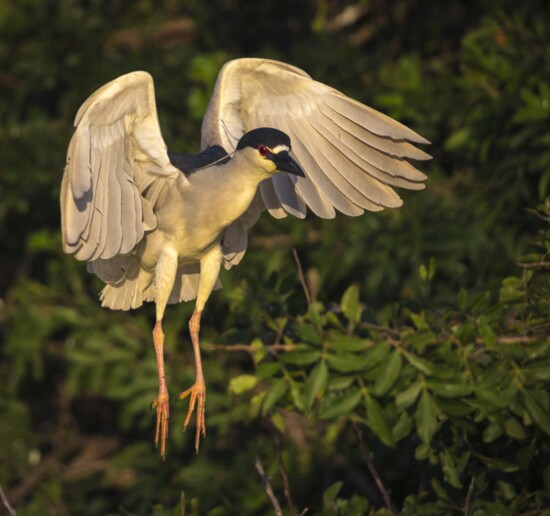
<point>285,163</point>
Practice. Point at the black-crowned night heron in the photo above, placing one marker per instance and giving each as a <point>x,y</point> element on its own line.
<point>156,225</point>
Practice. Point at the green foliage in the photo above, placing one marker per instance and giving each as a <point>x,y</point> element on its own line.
<point>421,331</point>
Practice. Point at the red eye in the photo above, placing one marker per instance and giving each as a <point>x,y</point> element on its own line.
<point>263,150</point>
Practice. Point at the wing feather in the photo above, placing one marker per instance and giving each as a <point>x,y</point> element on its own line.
<point>115,157</point>
<point>351,154</point>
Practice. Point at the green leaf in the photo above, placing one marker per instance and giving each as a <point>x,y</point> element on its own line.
<point>492,432</point>
<point>426,417</point>
<point>309,334</point>
<point>376,421</point>
<point>268,369</point>
<point>275,393</point>
<point>392,369</point>
<point>407,397</point>
<point>450,390</point>
<point>243,383</point>
<point>346,343</point>
<point>537,372</point>
<point>419,363</point>
<point>331,493</point>
<point>350,304</point>
<point>298,357</point>
<point>338,383</point>
<point>538,413</point>
<point>340,406</point>
<point>449,468</point>
<point>514,429</point>
<point>403,427</point>
<point>488,335</point>
<point>316,383</point>
<point>348,362</point>
<point>500,465</point>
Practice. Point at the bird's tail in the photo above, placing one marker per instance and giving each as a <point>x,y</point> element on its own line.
<point>129,292</point>
<point>137,286</point>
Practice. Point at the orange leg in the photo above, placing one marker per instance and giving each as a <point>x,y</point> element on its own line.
<point>161,404</point>
<point>197,392</point>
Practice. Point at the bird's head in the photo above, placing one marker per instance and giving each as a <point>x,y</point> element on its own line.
<point>269,148</point>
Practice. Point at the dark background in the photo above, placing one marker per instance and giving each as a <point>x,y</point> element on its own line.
<point>76,381</point>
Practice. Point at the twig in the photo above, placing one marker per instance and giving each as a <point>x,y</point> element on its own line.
<point>515,340</point>
<point>469,497</point>
<point>301,276</point>
<point>373,472</point>
<point>248,347</point>
<point>285,478</point>
<point>6,503</point>
<point>533,265</point>
<point>182,502</point>
<point>267,487</point>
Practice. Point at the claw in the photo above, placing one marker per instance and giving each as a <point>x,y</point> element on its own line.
<point>163,415</point>
<point>197,393</point>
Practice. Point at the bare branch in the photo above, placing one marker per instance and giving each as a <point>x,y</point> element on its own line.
<point>267,487</point>
<point>533,265</point>
<point>366,453</point>
<point>6,503</point>
<point>285,479</point>
<point>247,347</point>
<point>469,497</point>
<point>301,276</point>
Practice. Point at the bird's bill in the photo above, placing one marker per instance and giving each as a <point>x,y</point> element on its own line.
<point>285,163</point>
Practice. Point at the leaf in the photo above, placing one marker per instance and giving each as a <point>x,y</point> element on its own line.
<point>268,369</point>
<point>348,362</point>
<point>539,414</point>
<point>331,493</point>
<point>426,417</point>
<point>278,422</point>
<point>514,429</point>
<point>407,397</point>
<point>298,357</point>
<point>316,383</point>
<point>350,304</point>
<point>309,334</point>
<point>342,405</point>
<point>347,343</point>
<point>501,465</point>
<point>419,363</point>
<point>492,432</point>
<point>403,427</point>
<point>392,369</point>
<point>449,468</point>
<point>376,421</point>
<point>274,394</point>
<point>242,383</point>
<point>338,383</point>
<point>450,390</point>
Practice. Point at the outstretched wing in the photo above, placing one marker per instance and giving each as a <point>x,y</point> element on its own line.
<point>351,154</point>
<point>117,166</point>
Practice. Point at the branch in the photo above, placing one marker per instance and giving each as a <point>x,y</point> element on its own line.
<point>285,479</point>
<point>6,503</point>
<point>366,453</point>
<point>248,347</point>
<point>533,265</point>
<point>267,487</point>
<point>301,276</point>
<point>469,497</point>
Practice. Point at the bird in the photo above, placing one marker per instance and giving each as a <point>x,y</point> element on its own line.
<point>157,225</point>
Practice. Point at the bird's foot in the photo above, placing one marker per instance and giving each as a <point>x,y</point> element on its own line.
<point>197,395</point>
<point>161,404</point>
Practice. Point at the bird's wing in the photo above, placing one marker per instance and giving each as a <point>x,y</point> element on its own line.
<point>117,166</point>
<point>351,154</point>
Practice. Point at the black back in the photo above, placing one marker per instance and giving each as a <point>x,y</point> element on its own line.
<point>189,163</point>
